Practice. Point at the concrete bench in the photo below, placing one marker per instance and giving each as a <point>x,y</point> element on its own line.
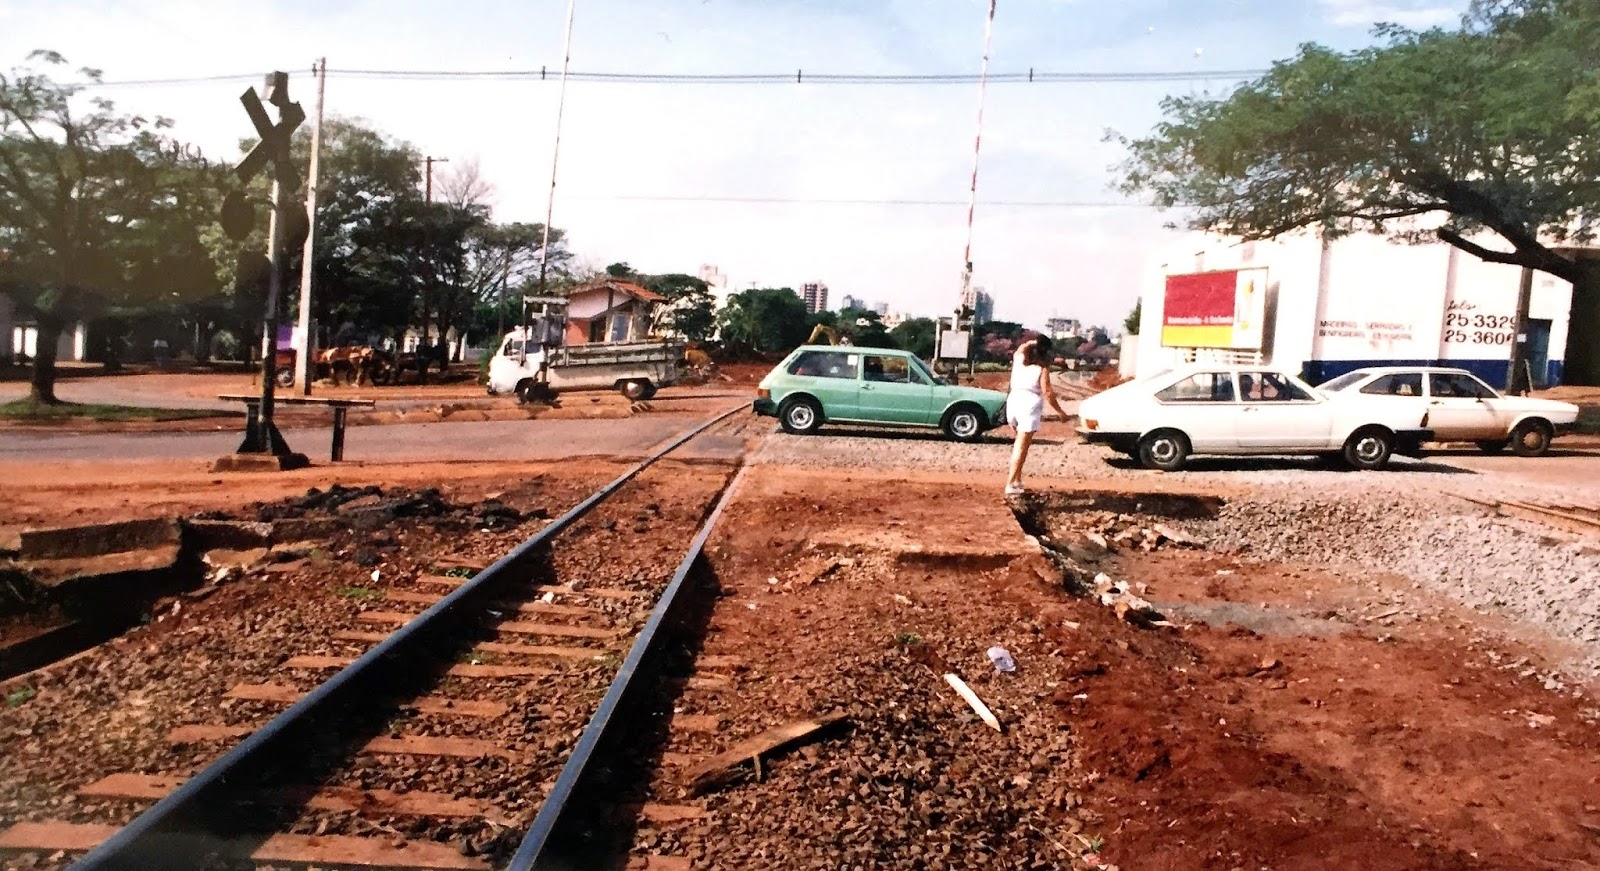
<point>341,407</point>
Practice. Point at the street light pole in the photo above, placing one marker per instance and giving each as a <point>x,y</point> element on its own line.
<point>555,160</point>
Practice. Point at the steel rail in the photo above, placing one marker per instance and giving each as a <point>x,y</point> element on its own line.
<point>180,829</point>
<point>537,846</point>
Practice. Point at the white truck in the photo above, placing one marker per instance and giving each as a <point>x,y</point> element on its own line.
<point>534,369</point>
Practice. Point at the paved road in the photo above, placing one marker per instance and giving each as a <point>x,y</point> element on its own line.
<point>487,440</point>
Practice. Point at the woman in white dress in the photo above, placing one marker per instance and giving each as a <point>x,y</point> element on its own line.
<point>1030,390</point>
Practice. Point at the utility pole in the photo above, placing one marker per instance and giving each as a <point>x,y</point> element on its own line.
<point>302,365</point>
<point>1519,376</point>
<point>424,347</point>
<point>972,201</point>
<point>555,161</point>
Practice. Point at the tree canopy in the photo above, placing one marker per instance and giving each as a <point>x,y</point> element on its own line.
<point>1490,127</point>
<point>98,210</point>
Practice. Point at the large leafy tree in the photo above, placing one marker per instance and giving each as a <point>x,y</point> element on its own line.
<point>98,210</point>
<point>1488,129</point>
<point>915,335</point>
<point>692,308</point>
<point>764,319</point>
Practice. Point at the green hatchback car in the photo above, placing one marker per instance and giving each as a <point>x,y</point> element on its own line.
<point>819,384</point>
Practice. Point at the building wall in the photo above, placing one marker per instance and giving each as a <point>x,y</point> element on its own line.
<point>815,295</point>
<point>1364,301</point>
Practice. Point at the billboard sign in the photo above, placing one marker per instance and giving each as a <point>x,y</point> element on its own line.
<point>1222,309</point>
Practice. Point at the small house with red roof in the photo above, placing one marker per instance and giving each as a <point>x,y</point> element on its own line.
<point>611,310</point>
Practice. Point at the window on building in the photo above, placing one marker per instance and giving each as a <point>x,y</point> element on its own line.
<point>1399,384</point>
<point>824,364</point>
<point>1202,387</point>
<point>620,322</point>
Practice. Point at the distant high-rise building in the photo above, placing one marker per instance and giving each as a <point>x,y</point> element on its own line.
<point>882,308</point>
<point>815,294</point>
<point>982,305</point>
<point>849,301</point>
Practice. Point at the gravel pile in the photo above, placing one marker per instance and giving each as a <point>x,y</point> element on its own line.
<point>1488,563</point>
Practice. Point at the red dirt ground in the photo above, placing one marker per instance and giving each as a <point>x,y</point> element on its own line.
<point>1315,738</point>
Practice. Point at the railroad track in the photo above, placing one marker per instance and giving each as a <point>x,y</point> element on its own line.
<point>1580,518</point>
<point>413,708</point>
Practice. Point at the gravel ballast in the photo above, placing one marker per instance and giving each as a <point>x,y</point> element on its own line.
<point>1404,521</point>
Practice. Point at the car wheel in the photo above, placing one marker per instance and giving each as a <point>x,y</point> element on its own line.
<point>1493,446</point>
<point>964,423</point>
<point>800,415</point>
<point>1531,438</point>
<point>529,390</point>
<point>1164,449</point>
<point>1369,448</point>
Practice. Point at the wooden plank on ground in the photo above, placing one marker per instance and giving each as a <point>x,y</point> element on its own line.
<point>661,814</point>
<point>598,592</point>
<point>399,618</point>
<point>723,768</point>
<point>697,722</point>
<point>267,692</point>
<point>442,580</point>
<point>557,630</point>
<point>427,745</point>
<point>412,597</point>
<point>457,562</point>
<point>539,650</point>
<point>358,635</point>
<point>459,670</point>
<point>153,787</point>
<point>57,836</point>
<point>203,732</point>
<point>554,609</point>
<point>365,852</point>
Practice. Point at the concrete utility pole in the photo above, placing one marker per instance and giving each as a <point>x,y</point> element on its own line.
<point>424,347</point>
<point>302,364</point>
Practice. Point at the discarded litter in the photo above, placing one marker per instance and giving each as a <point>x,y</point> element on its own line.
<point>1002,659</point>
<point>972,700</point>
<point>376,574</point>
<point>547,598</point>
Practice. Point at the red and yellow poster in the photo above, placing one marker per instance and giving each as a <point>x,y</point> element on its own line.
<point>1222,309</point>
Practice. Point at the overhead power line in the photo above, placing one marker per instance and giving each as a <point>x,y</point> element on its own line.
<point>800,76</point>
<point>830,201</point>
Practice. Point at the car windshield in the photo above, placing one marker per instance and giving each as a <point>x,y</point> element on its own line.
<point>1342,382</point>
<point>920,368</point>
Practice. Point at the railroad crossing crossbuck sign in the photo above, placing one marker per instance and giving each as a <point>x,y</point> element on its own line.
<point>238,218</point>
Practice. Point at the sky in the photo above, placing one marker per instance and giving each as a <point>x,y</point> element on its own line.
<point>660,175</point>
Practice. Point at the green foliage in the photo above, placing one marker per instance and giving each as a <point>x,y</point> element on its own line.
<point>1486,125</point>
<point>98,211</point>
<point>915,335</point>
<point>27,409</point>
<point>692,309</point>
<point>764,319</point>
<point>1130,324</point>
<point>357,592</point>
<point>20,696</point>
<point>865,328</point>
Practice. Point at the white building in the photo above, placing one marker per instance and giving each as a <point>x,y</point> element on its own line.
<point>1324,309</point>
<point>19,337</point>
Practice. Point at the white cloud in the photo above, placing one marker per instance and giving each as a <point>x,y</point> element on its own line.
<point>1364,13</point>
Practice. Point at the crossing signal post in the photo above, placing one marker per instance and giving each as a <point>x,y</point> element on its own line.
<point>287,225</point>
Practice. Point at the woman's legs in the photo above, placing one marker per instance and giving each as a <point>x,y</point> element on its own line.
<point>1019,455</point>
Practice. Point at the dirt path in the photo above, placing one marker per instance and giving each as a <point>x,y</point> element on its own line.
<point>1295,720</point>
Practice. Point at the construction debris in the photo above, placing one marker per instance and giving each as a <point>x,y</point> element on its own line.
<point>727,767</point>
<point>1129,607</point>
<point>982,710</point>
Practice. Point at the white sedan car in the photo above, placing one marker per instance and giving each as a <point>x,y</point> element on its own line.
<point>1163,419</point>
<point>1461,408</point>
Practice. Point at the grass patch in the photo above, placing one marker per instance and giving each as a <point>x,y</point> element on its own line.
<point>358,593</point>
<point>20,697</point>
<point>28,411</point>
<point>459,572</point>
<point>907,639</point>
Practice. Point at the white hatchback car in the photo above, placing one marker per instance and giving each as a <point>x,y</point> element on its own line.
<point>1163,419</point>
<point>1461,408</point>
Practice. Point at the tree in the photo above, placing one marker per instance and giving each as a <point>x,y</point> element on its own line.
<point>764,319</point>
<point>1130,324</point>
<point>915,335</point>
<point>864,327</point>
<point>96,208</point>
<point>1488,128</point>
<point>691,309</point>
